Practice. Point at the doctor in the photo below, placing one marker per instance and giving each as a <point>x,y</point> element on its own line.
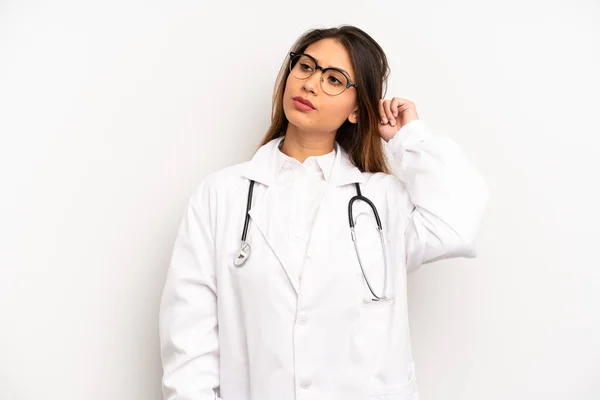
<point>282,284</point>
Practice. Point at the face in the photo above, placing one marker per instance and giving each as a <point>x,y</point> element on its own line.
<point>330,111</point>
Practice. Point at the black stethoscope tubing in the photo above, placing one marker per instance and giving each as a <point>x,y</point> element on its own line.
<point>245,247</point>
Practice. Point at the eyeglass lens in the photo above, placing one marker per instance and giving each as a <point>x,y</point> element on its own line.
<point>332,82</point>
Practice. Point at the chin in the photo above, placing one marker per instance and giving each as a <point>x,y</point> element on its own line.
<point>298,126</point>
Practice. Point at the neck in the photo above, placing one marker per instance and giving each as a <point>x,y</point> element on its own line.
<point>302,144</point>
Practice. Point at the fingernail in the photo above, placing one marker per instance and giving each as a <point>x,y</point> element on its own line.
<point>393,122</point>
<point>384,121</point>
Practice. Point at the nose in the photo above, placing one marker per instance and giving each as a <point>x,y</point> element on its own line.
<point>313,82</point>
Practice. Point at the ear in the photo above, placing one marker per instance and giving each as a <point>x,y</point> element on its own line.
<point>353,118</point>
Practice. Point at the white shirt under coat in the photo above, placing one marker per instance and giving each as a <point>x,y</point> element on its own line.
<point>300,186</point>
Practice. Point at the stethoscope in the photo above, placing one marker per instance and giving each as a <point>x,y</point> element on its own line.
<point>245,248</point>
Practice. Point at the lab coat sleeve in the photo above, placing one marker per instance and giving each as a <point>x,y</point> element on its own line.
<point>188,308</point>
<point>442,197</point>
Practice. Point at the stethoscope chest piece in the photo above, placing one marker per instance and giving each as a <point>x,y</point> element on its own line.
<point>243,255</point>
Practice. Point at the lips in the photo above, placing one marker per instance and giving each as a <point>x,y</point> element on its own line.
<point>304,101</point>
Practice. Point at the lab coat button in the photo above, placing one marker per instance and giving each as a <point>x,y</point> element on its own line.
<point>305,384</point>
<point>302,320</point>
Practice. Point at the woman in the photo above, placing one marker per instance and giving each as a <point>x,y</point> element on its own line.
<point>306,306</point>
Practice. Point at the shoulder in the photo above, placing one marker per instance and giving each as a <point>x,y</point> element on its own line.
<point>219,183</point>
<point>383,182</point>
<point>226,178</point>
<point>389,191</point>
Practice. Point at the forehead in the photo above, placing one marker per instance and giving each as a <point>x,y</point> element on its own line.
<point>331,53</point>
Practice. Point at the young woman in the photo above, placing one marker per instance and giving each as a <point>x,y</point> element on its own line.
<point>311,303</point>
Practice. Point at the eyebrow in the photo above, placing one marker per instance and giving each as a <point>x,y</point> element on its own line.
<point>346,72</point>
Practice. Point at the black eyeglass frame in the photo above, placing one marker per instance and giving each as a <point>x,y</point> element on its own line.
<point>323,70</point>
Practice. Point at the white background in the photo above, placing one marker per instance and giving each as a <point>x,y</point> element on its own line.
<point>112,112</point>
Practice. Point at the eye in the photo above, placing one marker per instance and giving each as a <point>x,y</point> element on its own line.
<point>305,67</point>
<point>334,80</point>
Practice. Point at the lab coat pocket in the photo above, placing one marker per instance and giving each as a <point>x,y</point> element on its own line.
<point>395,392</point>
<point>406,390</point>
<point>375,316</point>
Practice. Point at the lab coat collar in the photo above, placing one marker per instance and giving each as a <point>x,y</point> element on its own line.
<point>323,162</point>
<point>263,165</point>
<point>326,227</point>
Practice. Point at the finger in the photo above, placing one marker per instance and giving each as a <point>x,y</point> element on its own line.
<point>388,112</point>
<point>404,104</point>
<point>382,112</point>
<point>395,103</point>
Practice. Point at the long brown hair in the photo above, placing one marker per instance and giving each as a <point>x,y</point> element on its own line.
<point>361,141</point>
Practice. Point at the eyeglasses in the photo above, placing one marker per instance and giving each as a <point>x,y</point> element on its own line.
<point>333,81</point>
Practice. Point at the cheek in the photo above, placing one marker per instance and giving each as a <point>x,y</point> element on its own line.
<point>290,88</point>
<point>338,110</point>
<point>291,85</point>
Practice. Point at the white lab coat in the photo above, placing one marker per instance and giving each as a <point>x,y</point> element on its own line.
<point>261,333</point>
